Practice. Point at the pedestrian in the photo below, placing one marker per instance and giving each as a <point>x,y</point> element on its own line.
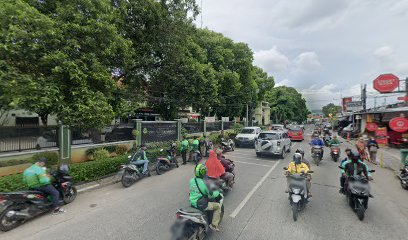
<point>361,148</point>
<point>184,148</point>
<point>373,147</point>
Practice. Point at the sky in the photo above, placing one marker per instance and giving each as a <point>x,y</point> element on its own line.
<point>324,48</point>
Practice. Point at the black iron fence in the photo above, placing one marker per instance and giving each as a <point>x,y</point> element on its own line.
<point>115,133</point>
<point>27,138</point>
<point>228,125</point>
<point>193,127</point>
<point>213,126</point>
<point>159,131</point>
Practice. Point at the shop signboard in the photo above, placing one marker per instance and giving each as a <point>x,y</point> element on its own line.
<point>354,106</point>
<point>381,136</point>
<point>209,119</point>
<point>345,101</point>
<point>225,119</point>
<point>371,126</point>
<point>399,124</point>
<point>386,83</point>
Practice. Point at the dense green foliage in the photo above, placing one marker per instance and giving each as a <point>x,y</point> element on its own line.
<point>331,109</point>
<point>87,61</point>
<point>287,104</point>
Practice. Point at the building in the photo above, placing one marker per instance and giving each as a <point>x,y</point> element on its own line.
<point>262,114</point>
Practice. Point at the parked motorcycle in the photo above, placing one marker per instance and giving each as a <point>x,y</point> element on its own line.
<point>317,154</point>
<point>297,192</point>
<point>358,192</point>
<point>335,152</point>
<point>403,176</point>
<point>130,173</point>
<point>167,163</point>
<point>192,223</point>
<point>18,207</point>
<point>227,145</point>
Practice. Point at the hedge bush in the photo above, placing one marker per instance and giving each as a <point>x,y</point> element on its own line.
<point>121,149</point>
<point>100,154</point>
<point>52,157</point>
<point>13,162</point>
<point>12,183</point>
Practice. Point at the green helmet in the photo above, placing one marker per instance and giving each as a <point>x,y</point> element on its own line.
<point>200,170</point>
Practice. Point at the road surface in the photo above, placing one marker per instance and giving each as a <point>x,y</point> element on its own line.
<point>257,208</point>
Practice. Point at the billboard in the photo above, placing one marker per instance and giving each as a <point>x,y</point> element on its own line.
<point>354,106</point>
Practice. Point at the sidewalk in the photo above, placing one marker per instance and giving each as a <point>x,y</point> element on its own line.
<point>391,156</point>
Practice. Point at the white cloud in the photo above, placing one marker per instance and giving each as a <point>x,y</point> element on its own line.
<point>271,60</point>
<point>306,62</point>
<point>284,82</point>
<point>390,61</point>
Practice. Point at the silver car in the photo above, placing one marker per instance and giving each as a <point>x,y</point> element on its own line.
<point>273,142</point>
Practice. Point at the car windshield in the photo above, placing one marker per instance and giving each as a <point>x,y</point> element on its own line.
<point>269,136</point>
<point>295,129</point>
<point>248,130</point>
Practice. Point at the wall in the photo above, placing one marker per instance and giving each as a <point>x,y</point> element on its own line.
<point>9,120</point>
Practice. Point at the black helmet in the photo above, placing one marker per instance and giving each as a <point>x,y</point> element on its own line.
<point>299,150</point>
<point>355,155</point>
<point>297,158</point>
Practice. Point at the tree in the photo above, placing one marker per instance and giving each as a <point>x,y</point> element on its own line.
<point>331,109</point>
<point>287,104</point>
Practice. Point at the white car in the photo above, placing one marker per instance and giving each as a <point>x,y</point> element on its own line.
<point>247,136</point>
<point>273,142</point>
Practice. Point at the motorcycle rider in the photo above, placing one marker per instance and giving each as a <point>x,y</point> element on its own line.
<point>141,158</point>
<point>195,146</point>
<point>304,160</point>
<point>334,140</point>
<point>355,167</point>
<point>229,174</point>
<point>204,199</point>
<point>317,141</point>
<point>297,167</point>
<point>184,148</point>
<point>37,179</point>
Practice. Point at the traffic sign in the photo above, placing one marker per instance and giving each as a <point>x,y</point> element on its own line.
<point>386,83</point>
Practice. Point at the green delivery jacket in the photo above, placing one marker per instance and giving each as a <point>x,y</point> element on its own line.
<point>35,176</point>
<point>195,194</point>
<point>184,145</point>
<point>343,164</point>
<point>195,146</point>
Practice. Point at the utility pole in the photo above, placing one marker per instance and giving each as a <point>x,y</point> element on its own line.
<point>364,96</point>
<point>406,91</point>
<point>375,102</point>
<point>246,121</point>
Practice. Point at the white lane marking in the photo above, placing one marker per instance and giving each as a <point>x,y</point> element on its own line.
<point>246,199</point>
<point>257,164</point>
<point>88,188</point>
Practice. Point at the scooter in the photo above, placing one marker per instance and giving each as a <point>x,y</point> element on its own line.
<point>168,163</point>
<point>130,173</point>
<point>18,207</point>
<point>192,223</point>
<point>317,154</point>
<point>358,193</point>
<point>297,192</point>
<point>335,152</point>
<point>227,145</point>
<point>403,176</point>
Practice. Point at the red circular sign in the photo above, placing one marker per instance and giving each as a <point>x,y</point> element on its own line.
<point>399,124</point>
<point>386,83</point>
<point>371,126</point>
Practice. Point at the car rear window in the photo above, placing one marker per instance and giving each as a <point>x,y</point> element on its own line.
<point>295,130</point>
<point>248,130</point>
<point>269,136</point>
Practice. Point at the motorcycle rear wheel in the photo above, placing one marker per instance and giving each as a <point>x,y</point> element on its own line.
<point>70,196</point>
<point>5,224</point>
<point>295,211</point>
<point>160,168</point>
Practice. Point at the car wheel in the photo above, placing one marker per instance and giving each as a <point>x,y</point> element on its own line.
<point>283,154</point>
<point>258,154</point>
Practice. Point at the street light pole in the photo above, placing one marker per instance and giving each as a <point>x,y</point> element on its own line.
<point>246,121</point>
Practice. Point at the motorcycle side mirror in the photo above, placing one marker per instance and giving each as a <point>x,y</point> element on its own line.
<point>285,168</point>
<point>371,171</point>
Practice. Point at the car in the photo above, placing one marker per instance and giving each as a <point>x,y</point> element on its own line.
<point>273,142</point>
<point>278,127</point>
<point>296,133</point>
<point>247,136</point>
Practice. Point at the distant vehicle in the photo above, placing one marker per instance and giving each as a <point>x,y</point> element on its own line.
<point>273,142</point>
<point>247,136</point>
<point>277,127</point>
<point>296,134</point>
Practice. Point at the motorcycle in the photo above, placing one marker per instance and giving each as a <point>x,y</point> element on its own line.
<point>227,145</point>
<point>403,176</point>
<point>130,173</point>
<point>18,207</point>
<point>297,192</point>
<point>357,193</point>
<point>326,140</point>
<point>165,164</point>
<point>317,154</point>
<point>192,223</point>
<point>335,152</point>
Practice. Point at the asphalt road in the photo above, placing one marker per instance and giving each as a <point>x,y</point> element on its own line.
<point>257,208</point>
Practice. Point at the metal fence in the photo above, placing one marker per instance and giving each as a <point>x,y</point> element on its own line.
<point>193,127</point>
<point>228,125</point>
<point>159,131</point>
<point>115,133</point>
<point>213,126</point>
<point>27,138</point>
